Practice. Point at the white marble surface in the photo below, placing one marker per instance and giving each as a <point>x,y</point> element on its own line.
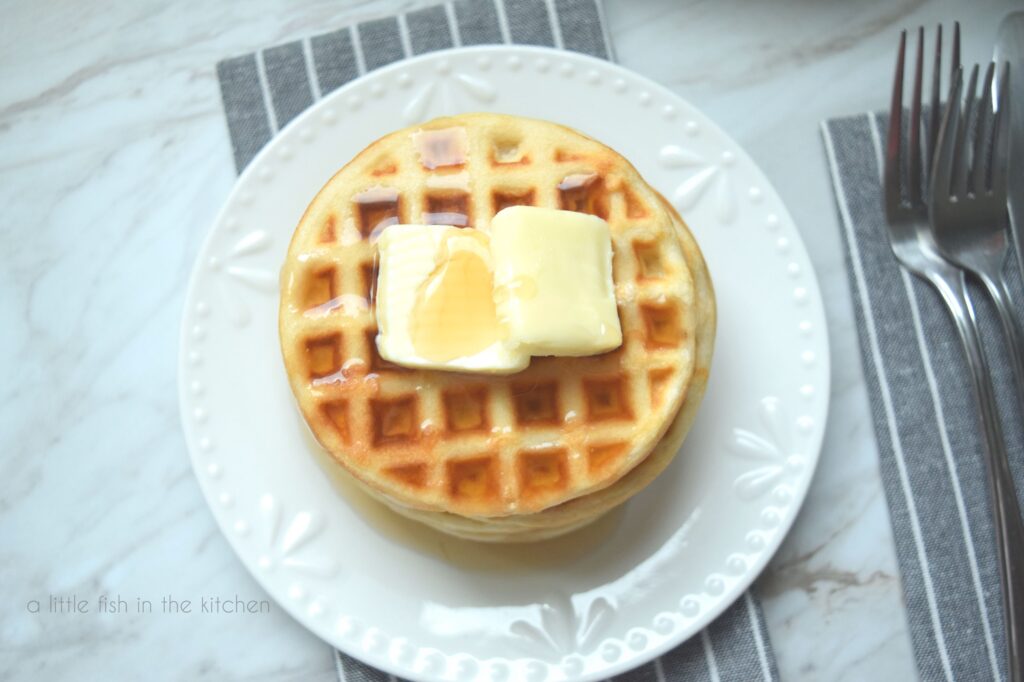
<point>114,159</point>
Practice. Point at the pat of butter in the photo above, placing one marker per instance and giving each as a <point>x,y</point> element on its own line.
<point>435,302</point>
<point>553,277</point>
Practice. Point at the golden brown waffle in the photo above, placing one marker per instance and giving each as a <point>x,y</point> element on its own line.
<point>476,445</point>
<point>578,512</point>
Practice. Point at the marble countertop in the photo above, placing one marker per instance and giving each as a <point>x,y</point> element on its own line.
<point>114,159</point>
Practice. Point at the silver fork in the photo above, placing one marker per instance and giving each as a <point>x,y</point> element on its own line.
<point>968,201</point>
<point>914,246</point>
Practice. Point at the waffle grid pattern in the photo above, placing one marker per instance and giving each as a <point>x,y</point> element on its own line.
<point>480,445</point>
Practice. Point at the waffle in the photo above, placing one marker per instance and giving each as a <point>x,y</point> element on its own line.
<point>576,513</point>
<point>476,446</point>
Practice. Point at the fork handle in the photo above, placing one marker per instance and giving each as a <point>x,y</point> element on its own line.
<point>1011,328</point>
<point>1008,523</point>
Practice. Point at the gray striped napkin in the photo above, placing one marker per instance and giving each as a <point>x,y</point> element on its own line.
<point>263,91</point>
<point>926,423</point>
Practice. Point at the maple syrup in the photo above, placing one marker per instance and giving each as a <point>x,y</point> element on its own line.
<point>454,314</point>
<point>441,148</point>
<point>378,207</point>
<point>583,193</point>
<point>447,209</point>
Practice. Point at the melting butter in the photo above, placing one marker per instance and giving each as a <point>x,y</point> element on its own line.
<point>435,303</point>
<point>553,270</point>
<point>460,300</point>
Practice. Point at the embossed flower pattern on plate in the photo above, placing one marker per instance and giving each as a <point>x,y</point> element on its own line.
<point>768,448</point>
<point>707,180</point>
<point>236,268</point>
<point>441,96</point>
<point>564,628</point>
<point>288,541</point>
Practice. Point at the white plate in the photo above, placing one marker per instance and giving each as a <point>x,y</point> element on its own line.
<point>608,598</point>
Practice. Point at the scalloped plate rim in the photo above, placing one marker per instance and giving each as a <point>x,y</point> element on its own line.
<point>812,454</point>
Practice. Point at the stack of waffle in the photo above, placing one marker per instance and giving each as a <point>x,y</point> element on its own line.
<point>520,457</point>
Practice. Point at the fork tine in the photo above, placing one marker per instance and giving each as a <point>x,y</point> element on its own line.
<point>961,156</point>
<point>982,134</point>
<point>1001,136</point>
<point>954,60</point>
<point>893,170</point>
<point>942,172</point>
<point>955,63</point>
<point>915,179</point>
<point>935,108</point>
